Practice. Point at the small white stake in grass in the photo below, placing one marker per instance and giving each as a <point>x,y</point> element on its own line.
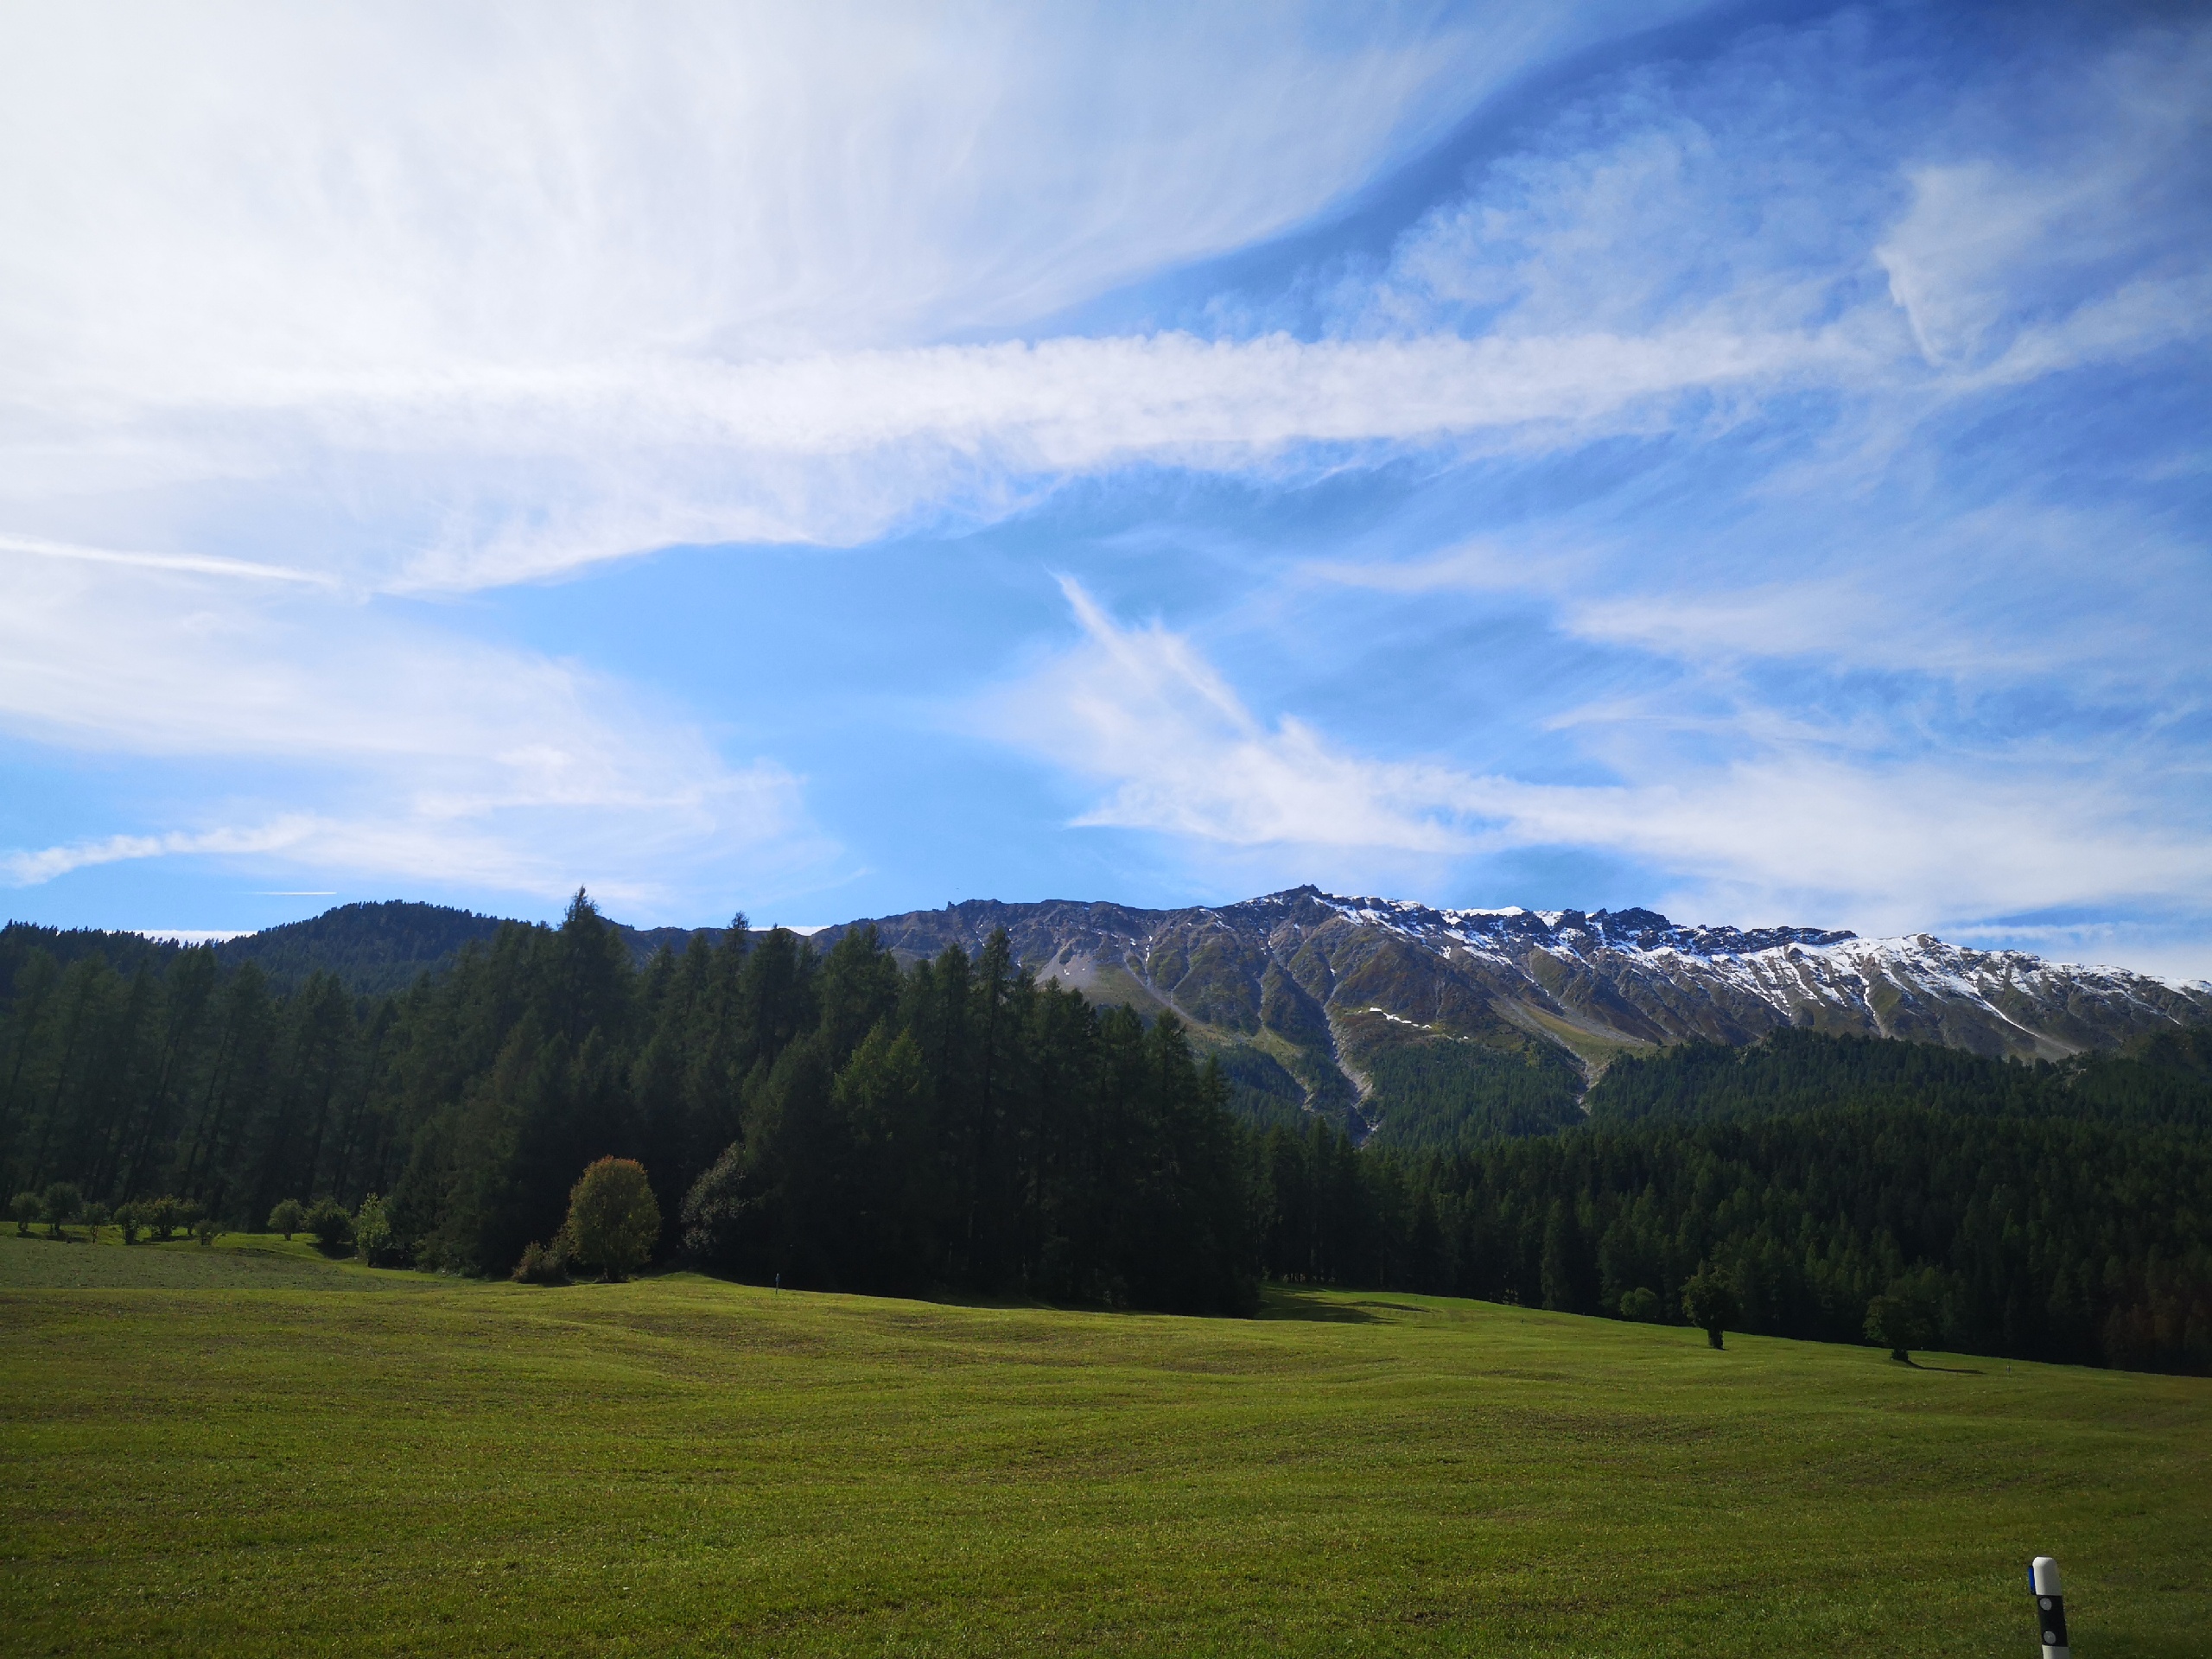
<point>2050,1607</point>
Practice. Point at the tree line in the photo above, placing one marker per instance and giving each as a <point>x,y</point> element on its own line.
<point>834,1120</point>
<point>2163,1078</point>
<point>2037,1239</point>
<point>839,1121</point>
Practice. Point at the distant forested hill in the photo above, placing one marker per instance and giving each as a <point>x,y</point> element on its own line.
<point>369,948</point>
<point>2162,1079</point>
<point>375,948</point>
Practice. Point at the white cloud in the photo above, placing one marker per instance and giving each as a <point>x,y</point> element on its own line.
<point>471,478</point>
<point>466,301</point>
<point>2003,258</point>
<point>839,449</point>
<point>26,869</point>
<point>2171,946</point>
<point>195,564</point>
<point>1982,598</point>
<point>251,192</point>
<point>1966,594</point>
<point>1893,846</point>
<point>1794,827</point>
<point>1737,200</point>
<point>488,292</point>
<point>1141,709</point>
<point>428,757</point>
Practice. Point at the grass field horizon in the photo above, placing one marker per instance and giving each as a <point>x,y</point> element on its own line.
<point>249,1449</point>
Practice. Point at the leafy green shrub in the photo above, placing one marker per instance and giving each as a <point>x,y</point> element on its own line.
<point>163,1217</point>
<point>1709,1300</point>
<point>62,1203</point>
<point>614,1218</point>
<point>1641,1304</point>
<point>288,1217</point>
<point>207,1229</point>
<point>332,1227</point>
<point>127,1223</point>
<point>372,1229</point>
<point>25,1209</point>
<point>96,1216</point>
<point>543,1264</point>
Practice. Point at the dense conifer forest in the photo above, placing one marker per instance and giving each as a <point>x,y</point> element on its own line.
<point>834,1121</point>
<point>955,1126</point>
<point>2164,1078</point>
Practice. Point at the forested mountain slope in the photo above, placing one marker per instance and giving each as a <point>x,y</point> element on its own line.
<point>1415,1023</point>
<point>370,949</point>
<point>2164,1078</point>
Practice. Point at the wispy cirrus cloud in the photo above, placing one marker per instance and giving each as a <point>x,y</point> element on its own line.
<point>481,299</point>
<point>1647,267</point>
<point>429,757</point>
<point>487,323</point>
<point>1141,709</point>
<point>192,564</point>
<point>289,197</point>
<point>29,869</point>
<point>1801,822</point>
<point>842,449</point>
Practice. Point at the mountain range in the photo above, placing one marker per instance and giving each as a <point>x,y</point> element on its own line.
<point>1391,1012</point>
<point>1397,1018</point>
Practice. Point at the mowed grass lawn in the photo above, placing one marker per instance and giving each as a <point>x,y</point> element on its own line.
<point>250,1451</point>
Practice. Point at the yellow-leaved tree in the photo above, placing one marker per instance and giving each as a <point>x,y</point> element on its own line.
<point>614,1218</point>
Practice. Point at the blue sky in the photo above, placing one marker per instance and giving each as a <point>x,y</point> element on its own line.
<point>1753,462</point>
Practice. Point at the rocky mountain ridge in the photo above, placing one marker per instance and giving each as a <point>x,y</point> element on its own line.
<point>1323,1001</point>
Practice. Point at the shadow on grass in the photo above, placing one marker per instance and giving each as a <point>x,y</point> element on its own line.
<point>1277,1301</point>
<point>1294,1302</point>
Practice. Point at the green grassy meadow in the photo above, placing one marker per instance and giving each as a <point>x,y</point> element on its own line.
<point>249,1450</point>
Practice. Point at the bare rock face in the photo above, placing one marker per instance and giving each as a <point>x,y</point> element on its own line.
<point>1313,996</point>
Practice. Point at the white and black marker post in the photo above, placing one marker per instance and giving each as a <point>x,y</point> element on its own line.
<point>2050,1607</point>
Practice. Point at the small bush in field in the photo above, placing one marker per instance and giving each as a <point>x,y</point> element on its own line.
<point>207,1229</point>
<point>163,1217</point>
<point>96,1216</point>
<point>1640,1303</point>
<point>25,1209</point>
<point>332,1227</point>
<point>128,1223</point>
<point>614,1218</point>
<point>371,1229</point>
<point>543,1264</point>
<point>288,1217</point>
